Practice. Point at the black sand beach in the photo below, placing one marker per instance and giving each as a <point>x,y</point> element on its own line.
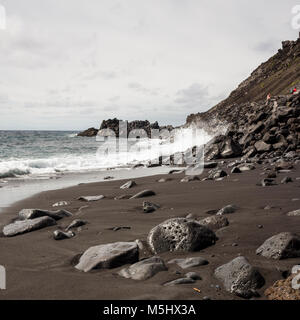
<point>38,267</point>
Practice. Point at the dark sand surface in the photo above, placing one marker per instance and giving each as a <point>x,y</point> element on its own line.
<point>38,267</point>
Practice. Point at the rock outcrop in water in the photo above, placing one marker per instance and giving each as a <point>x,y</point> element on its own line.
<point>141,128</point>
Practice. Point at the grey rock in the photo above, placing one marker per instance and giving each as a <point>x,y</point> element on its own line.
<point>294,213</point>
<point>231,208</point>
<point>60,235</point>
<point>189,178</point>
<point>281,246</point>
<point>180,234</point>
<point>138,165</point>
<point>144,193</point>
<point>210,165</point>
<point>60,204</point>
<point>240,277</point>
<point>108,178</point>
<point>37,213</point>
<point>144,269</point>
<point>180,281</point>
<point>162,180</point>
<point>217,174</point>
<point>150,207</point>
<point>236,170</point>
<point>286,180</point>
<point>128,185</point>
<point>75,224</point>
<point>246,167</point>
<point>24,226</point>
<point>215,222</point>
<point>91,198</point>
<point>106,256</point>
<point>123,196</point>
<point>267,182</point>
<point>189,262</point>
<point>193,275</point>
<point>175,171</point>
<point>261,146</point>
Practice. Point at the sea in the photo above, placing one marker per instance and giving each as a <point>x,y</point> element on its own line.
<point>35,161</point>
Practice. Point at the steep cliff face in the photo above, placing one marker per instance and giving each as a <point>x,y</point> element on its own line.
<point>275,76</point>
<point>266,130</point>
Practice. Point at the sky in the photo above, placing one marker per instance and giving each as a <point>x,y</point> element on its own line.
<point>68,65</point>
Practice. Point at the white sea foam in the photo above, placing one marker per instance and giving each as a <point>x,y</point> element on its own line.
<point>137,151</point>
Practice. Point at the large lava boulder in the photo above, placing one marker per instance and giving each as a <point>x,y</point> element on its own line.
<point>240,277</point>
<point>180,234</point>
<point>106,256</point>
<point>281,246</point>
<point>24,226</point>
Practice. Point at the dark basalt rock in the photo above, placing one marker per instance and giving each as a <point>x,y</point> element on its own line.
<point>28,225</point>
<point>240,277</point>
<point>91,132</point>
<point>180,234</point>
<point>37,213</point>
<point>144,193</point>
<point>281,246</point>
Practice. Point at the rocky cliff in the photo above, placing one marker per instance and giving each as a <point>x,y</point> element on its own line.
<point>276,76</point>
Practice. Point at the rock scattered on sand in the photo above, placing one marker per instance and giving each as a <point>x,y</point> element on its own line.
<point>37,213</point>
<point>128,185</point>
<point>91,198</point>
<point>75,224</point>
<point>144,193</point>
<point>193,275</point>
<point>210,165</point>
<point>189,262</point>
<point>180,281</point>
<point>281,246</point>
<point>108,178</point>
<point>215,222</point>
<point>123,196</point>
<point>24,226</point>
<point>175,171</point>
<point>117,228</point>
<point>106,256</point>
<point>180,234</point>
<point>144,269</point>
<point>216,174</point>
<point>272,175</point>
<point>267,182</point>
<point>294,213</point>
<point>286,180</point>
<point>162,180</point>
<point>231,208</point>
<point>149,207</point>
<point>60,204</point>
<point>246,167</point>
<point>60,235</point>
<point>236,170</point>
<point>240,277</point>
<point>189,178</point>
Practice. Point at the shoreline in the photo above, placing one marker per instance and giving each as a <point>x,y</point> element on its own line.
<point>16,190</point>
<point>38,267</point>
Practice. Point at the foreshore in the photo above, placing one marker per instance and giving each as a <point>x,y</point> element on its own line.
<point>39,267</point>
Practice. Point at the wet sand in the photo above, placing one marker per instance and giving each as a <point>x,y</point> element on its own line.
<point>38,267</point>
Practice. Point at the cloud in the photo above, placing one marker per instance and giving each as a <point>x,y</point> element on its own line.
<point>156,59</point>
<point>194,94</point>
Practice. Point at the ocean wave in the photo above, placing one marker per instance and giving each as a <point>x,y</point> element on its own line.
<point>143,151</point>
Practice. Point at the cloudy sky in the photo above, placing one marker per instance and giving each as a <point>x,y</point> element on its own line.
<point>69,64</point>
